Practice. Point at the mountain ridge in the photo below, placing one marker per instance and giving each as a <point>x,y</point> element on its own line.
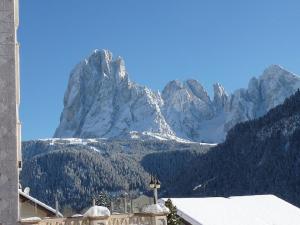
<point>102,102</point>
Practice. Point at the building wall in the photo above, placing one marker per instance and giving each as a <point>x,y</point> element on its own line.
<point>28,209</point>
<point>9,104</point>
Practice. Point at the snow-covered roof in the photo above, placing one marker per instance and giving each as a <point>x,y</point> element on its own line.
<point>273,209</point>
<point>97,211</point>
<point>156,209</point>
<point>41,204</point>
<point>241,210</point>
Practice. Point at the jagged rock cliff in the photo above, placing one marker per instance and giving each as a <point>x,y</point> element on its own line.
<point>101,101</point>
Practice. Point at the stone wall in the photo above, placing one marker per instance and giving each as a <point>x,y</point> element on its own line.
<point>9,106</point>
<point>116,219</point>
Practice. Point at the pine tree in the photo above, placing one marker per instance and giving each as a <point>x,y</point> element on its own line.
<point>173,218</point>
<point>103,200</point>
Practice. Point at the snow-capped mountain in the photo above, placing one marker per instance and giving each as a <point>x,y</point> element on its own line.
<point>263,94</point>
<point>101,101</point>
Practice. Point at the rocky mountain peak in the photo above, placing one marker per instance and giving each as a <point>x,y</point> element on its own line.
<point>104,54</point>
<point>100,101</point>
<point>219,90</point>
<point>103,62</point>
<point>273,70</point>
<point>277,72</point>
<point>197,89</point>
<point>190,88</point>
<point>172,86</point>
<point>220,96</point>
<point>276,84</point>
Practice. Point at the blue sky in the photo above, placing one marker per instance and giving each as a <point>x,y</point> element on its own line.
<point>160,40</point>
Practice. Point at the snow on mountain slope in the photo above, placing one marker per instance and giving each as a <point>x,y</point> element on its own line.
<point>101,102</point>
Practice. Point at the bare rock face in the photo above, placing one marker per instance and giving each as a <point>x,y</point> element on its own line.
<point>221,98</point>
<point>186,106</point>
<point>101,102</point>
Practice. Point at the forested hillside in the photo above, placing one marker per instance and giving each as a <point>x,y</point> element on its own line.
<point>76,170</point>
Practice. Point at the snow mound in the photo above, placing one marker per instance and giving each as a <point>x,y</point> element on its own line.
<point>32,219</point>
<point>77,215</point>
<point>146,136</point>
<point>159,208</point>
<point>97,211</point>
